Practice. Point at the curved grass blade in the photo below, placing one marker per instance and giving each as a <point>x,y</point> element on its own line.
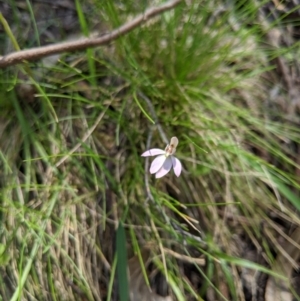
<point>142,109</point>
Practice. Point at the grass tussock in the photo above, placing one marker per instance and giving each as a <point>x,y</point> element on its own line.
<point>71,135</point>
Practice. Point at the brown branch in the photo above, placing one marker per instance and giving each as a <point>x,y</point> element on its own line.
<point>40,52</point>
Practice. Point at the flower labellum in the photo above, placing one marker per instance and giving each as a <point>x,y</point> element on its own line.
<point>163,163</point>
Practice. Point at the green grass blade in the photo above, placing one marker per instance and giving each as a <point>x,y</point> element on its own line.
<point>122,264</point>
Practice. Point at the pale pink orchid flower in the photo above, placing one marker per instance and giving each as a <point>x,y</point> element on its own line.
<point>162,164</point>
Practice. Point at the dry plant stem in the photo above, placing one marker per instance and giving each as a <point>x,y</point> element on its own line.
<point>40,52</point>
<point>185,258</point>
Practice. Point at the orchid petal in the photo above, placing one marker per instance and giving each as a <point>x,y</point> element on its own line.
<point>165,168</point>
<point>176,166</point>
<point>153,152</point>
<point>157,163</point>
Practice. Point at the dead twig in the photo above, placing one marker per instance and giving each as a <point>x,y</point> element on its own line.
<point>40,52</point>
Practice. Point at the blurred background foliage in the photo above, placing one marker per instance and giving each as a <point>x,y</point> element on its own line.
<point>222,76</point>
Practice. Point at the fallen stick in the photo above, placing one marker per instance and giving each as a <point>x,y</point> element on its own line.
<point>40,52</point>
